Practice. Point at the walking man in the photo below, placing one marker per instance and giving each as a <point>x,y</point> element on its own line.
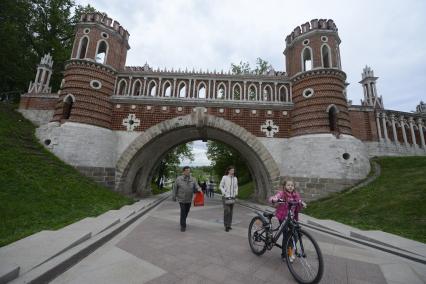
<point>183,190</point>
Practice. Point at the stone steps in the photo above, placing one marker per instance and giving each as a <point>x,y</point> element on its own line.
<point>25,255</point>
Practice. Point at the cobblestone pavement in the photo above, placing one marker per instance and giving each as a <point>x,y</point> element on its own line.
<point>153,250</point>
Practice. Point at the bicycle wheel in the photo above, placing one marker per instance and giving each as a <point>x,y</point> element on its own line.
<point>304,258</point>
<point>257,236</point>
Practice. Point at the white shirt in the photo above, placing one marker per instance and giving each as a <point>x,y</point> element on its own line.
<point>229,186</point>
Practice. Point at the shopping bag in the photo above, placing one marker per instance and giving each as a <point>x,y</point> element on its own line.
<point>199,199</point>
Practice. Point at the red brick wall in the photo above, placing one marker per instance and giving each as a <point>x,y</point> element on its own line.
<point>117,50</point>
<point>245,118</point>
<point>91,106</point>
<point>363,125</point>
<point>39,103</point>
<point>294,52</point>
<point>310,114</point>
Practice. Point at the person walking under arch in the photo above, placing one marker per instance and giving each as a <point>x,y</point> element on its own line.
<point>229,188</point>
<point>183,190</point>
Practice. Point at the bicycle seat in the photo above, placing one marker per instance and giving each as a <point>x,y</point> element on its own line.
<point>268,215</point>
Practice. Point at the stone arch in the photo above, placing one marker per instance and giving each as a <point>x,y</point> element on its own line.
<point>134,168</point>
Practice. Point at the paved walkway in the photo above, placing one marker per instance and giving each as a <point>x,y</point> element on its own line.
<point>153,250</point>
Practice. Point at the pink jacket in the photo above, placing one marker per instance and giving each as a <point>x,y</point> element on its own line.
<point>282,209</point>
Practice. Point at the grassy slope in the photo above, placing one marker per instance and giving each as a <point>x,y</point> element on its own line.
<point>37,190</point>
<point>394,202</point>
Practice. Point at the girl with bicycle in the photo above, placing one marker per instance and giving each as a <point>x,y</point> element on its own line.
<point>286,194</point>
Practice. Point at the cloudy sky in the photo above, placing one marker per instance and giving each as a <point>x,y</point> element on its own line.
<point>388,35</point>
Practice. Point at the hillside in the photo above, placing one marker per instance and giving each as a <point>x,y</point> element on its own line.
<point>394,202</point>
<point>37,190</point>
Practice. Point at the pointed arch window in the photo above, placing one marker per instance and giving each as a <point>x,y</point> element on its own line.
<point>221,91</point>
<point>201,91</point>
<point>252,93</point>
<point>67,107</point>
<point>283,94</point>
<point>182,90</point>
<point>236,92</point>
<point>326,56</point>
<point>101,52</point>
<point>267,93</point>
<point>306,59</point>
<point>122,86</point>
<point>167,87</point>
<point>332,117</point>
<point>137,87</point>
<point>152,89</point>
<point>84,42</point>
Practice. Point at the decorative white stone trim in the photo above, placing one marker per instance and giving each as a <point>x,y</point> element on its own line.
<point>148,107</point>
<point>284,113</point>
<point>69,95</point>
<point>164,108</point>
<point>179,109</point>
<point>221,110</point>
<point>95,84</point>
<point>237,110</point>
<point>133,107</point>
<point>307,93</point>
<point>306,42</point>
<point>253,111</point>
<point>118,106</point>
<point>324,38</point>
<point>86,31</point>
<point>131,122</point>
<point>104,35</point>
<point>269,128</point>
<point>269,112</point>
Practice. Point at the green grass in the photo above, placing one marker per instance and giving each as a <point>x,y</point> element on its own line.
<point>394,202</point>
<point>37,190</point>
<point>245,191</point>
<point>156,190</point>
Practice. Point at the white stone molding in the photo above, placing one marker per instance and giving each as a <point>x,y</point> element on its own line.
<point>269,128</point>
<point>385,130</point>
<point>69,96</point>
<point>413,136</point>
<point>404,134</point>
<point>379,130</point>
<point>395,136</point>
<point>420,125</point>
<point>131,122</point>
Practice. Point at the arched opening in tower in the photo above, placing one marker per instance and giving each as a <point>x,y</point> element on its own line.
<point>66,110</point>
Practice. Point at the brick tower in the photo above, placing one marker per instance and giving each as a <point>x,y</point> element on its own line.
<point>99,52</point>
<point>313,64</point>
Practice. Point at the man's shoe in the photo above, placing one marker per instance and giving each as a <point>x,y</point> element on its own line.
<point>230,228</point>
<point>182,229</point>
<point>227,229</point>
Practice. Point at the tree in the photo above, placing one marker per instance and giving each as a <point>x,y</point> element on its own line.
<point>223,156</point>
<point>30,29</point>
<point>244,67</point>
<point>170,162</point>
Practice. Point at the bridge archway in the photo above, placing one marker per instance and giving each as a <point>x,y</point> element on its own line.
<point>135,167</point>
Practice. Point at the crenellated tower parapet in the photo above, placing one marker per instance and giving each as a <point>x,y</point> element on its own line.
<point>100,39</point>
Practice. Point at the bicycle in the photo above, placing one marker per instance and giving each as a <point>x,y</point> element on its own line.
<point>304,258</point>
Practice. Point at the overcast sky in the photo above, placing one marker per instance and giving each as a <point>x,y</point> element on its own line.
<point>387,35</point>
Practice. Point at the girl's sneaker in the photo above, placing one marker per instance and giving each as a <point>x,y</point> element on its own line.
<point>292,258</point>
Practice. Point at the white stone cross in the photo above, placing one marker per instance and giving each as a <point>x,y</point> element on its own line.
<point>131,122</point>
<point>269,128</point>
